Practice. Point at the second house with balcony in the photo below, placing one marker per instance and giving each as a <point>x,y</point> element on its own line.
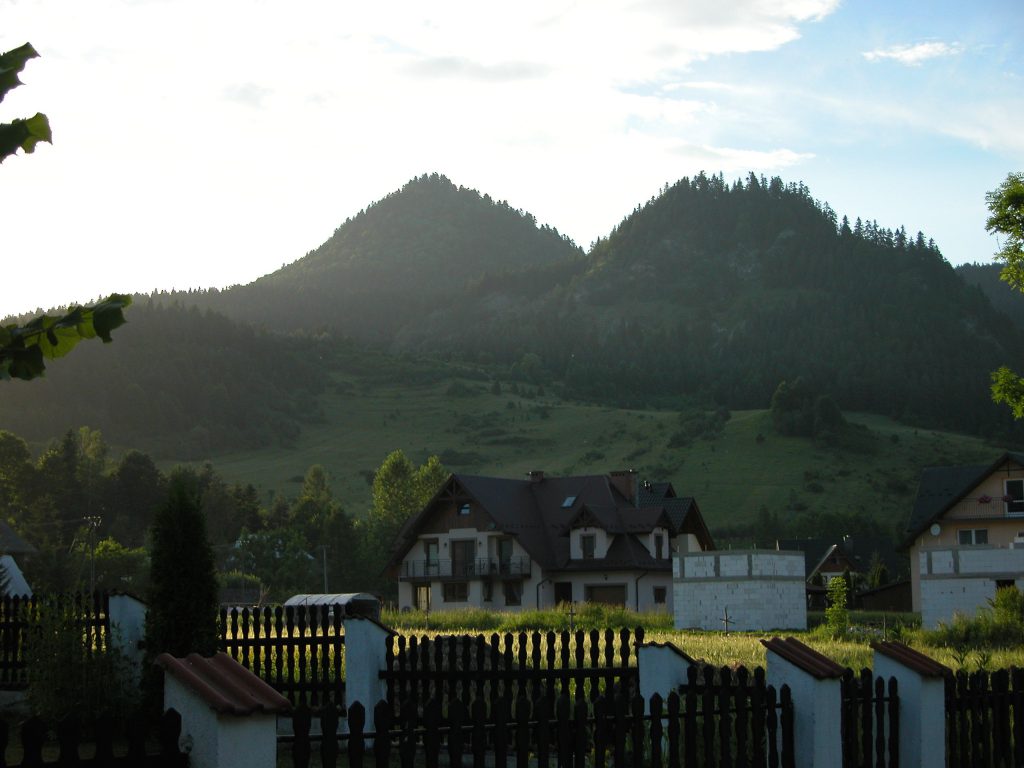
<point>510,544</point>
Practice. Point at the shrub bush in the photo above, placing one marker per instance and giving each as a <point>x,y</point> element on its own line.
<point>68,674</point>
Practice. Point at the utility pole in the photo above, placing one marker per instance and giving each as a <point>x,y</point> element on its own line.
<point>93,522</point>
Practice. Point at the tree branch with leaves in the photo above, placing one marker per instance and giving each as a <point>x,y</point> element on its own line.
<point>24,348</point>
<point>1006,217</point>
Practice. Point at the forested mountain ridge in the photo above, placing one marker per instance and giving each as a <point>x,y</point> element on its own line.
<point>709,293</point>
<point>389,265</point>
<point>178,382</point>
<point>1004,298</point>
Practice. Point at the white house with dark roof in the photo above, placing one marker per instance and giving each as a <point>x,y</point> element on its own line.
<point>510,544</point>
<point>966,536</point>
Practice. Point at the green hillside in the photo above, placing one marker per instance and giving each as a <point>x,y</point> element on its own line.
<point>732,475</point>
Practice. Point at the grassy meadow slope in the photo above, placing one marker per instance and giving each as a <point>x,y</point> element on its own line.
<point>475,430</point>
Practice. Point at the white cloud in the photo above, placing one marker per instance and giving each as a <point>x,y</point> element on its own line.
<point>914,55</point>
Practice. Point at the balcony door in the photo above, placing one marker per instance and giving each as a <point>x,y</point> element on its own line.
<point>505,555</point>
<point>463,555</point>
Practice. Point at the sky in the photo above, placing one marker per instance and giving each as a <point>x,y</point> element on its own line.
<point>204,144</point>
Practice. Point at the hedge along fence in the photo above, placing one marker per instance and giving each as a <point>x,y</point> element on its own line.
<point>299,650</point>
<point>518,664</point>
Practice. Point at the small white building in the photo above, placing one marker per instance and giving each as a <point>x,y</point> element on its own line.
<point>757,589</point>
<point>966,536</point>
<point>227,713</point>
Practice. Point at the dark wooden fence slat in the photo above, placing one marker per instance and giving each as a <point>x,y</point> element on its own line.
<point>522,716</point>
<point>432,733</point>
<point>772,727</point>
<point>356,740</point>
<point>382,720</point>
<point>690,718</point>
<point>329,743</point>
<point>879,700</point>
<point>743,727</point>
<point>542,714</point>
<point>786,721</point>
<point>581,739</point>
<point>457,716</point>
<point>656,731</point>
<point>724,718</point>
<point>894,724</point>
<point>673,730</point>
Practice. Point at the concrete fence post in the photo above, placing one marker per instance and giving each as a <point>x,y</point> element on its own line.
<point>365,658</point>
<point>921,686</point>
<point>126,616</point>
<point>662,668</point>
<point>814,682</point>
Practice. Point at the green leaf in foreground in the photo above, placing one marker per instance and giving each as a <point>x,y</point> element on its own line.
<point>24,349</point>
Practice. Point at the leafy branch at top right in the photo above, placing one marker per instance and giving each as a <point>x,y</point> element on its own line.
<point>1006,217</point>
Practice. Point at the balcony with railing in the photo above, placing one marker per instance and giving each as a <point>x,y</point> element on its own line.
<point>986,508</point>
<point>455,570</point>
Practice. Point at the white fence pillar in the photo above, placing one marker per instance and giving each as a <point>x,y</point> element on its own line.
<point>365,658</point>
<point>662,668</point>
<point>126,615</point>
<point>921,687</point>
<point>814,683</point>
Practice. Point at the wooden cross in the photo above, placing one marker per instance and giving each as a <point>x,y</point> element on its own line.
<point>726,620</point>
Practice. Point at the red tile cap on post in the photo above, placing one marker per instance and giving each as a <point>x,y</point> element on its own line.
<point>224,684</point>
<point>913,660</point>
<point>804,657</point>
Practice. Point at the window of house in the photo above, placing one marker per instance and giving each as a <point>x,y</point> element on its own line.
<point>568,502</point>
<point>422,597</point>
<point>513,592</point>
<point>587,543</point>
<point>464,509</point>
<point>430,564</point>
<point>488,589</point>
<point>972,536</point>
<point>660,594</point>
<point>1014,490</point>
<point>659,547</point>
<point>456,592</point>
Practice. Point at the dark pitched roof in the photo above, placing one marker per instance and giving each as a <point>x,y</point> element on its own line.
<point>942,487</point>
<point>537,514</point>
<point>224,684</point>
<point>11,543</point>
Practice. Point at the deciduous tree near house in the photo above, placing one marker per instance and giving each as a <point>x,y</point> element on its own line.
<point>1006,217</point>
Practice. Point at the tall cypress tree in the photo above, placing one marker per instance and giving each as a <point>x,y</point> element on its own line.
<point>182,597</point>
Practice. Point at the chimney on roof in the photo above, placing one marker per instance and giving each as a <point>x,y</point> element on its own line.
<point>535,475</point>
<point>625,482</point>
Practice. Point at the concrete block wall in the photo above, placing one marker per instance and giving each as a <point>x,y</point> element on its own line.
<point>760,589</point>
<point>962,579</point>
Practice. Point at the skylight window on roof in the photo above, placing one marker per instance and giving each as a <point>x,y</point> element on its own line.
<point>569,501</point>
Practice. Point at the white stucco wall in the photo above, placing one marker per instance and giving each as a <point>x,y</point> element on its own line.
<point>761,589</point>
<point>922,729</point>
<point>962,579</point>
<point>817,719</point>
<point>221,741</point>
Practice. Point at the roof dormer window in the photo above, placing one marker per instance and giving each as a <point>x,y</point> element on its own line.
<point>569,501</point>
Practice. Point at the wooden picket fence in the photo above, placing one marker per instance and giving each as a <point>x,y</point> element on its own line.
<point>531,664</point>
<point>107,745</point>
<point>708,728</point>
<point>870,720</point>
<point>299,650</point>
<point>985,719</point>
<point>19,614</point>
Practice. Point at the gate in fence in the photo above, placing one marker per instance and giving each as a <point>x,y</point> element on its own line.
<point>698,728</point>
<point>530,665</point>
<point>870,720</point>
<point>299,650</point>
<point>985,719</point>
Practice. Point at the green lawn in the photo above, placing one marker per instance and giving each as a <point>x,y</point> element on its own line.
<point>748,466</point>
